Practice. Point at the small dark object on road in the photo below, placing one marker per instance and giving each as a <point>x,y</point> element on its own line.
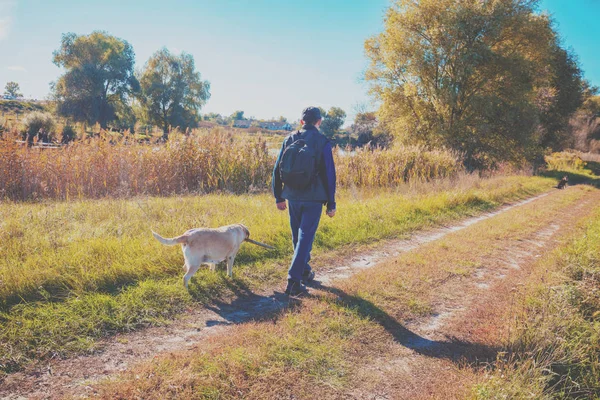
<point>563,182</point>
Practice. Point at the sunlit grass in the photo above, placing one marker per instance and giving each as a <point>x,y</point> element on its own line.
<point>52,250</point>
<point>66,267</point>
<point>555,353</point>
<point>320,348</point>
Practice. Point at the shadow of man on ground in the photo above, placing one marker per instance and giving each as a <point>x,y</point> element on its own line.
<point>248,306</point>
<point>454,349</point>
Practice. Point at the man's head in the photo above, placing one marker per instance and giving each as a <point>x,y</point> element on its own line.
<point>311,116</point>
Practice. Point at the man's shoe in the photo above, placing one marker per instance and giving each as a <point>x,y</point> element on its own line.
<point>295,288</point>
<point>308,277</point>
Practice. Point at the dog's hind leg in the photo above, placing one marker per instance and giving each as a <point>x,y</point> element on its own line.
<point>188,275</point>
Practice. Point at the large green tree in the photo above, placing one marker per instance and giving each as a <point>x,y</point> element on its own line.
<point>584,126</point>
<point>12,89</point>
<point>332,121</point>
<point>558,97</point>
<point>364,125</point>
<point>99,77</point>
<point>172,91</point>
<point>481,77</point>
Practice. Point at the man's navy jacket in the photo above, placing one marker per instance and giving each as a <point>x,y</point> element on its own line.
<point>323,187</point>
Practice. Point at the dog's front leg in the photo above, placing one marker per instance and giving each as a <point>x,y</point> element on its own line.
<point>230,260</point>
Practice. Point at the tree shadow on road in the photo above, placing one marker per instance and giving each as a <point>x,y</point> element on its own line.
<point>576,178</point>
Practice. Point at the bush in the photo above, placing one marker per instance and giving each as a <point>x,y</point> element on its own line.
<point>376,167</point>
<point>40,124</point>
<point>564,161</point>
<point>68,134</point>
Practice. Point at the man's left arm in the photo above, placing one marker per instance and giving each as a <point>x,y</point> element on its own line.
<point>330,177</point>
<point>276,183</point>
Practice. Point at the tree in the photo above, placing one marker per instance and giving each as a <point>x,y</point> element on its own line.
<point>172,91</point>
<point>39,125</point>
<point>559,98</point>
<point>368,129</point>
<point>332,121</point>
<point>99,77</point>
<point>237,115</point>
<point>464,74</point>
<point>214,117</point>
<point>584,125</point>
<point>12,89</point>
<point>364,125</point>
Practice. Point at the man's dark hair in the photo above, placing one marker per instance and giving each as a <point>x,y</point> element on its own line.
<point>310,115</point>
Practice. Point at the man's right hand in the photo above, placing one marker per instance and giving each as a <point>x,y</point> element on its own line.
<point>331,213</point>
<point>282,206</point>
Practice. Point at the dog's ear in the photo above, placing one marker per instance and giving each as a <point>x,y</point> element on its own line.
<point>245,230</point>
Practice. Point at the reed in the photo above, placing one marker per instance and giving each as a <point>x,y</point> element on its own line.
<point>121,166</point>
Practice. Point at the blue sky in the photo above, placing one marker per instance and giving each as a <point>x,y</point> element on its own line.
<point>266,57</point>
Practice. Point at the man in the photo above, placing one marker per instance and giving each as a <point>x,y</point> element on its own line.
<point>304,175</point>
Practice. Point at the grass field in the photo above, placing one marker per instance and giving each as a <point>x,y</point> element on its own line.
<point>74,272</point>
<point>9,108</point>
<point>319,348</point>
<point>555,353</point>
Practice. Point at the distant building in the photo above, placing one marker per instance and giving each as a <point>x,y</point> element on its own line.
<point>270,125</point>
<point>242,123</point>
<point>275,126</point>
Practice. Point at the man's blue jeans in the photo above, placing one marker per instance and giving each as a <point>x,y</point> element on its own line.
<point>304,220</point>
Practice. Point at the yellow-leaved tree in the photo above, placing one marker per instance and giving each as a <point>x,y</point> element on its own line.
<point>487,78</point>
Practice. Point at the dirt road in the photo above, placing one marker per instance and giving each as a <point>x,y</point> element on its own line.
<point>422,364</point>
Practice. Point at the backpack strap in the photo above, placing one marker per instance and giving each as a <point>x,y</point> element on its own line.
<point>318,148</point>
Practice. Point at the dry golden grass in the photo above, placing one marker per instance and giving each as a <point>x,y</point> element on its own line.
<point>565,161</point>
<point>401,164</point>
<point>111,165</point>
<point>103,166</point>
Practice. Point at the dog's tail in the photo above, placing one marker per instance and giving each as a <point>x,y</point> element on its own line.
<point>170,241</point>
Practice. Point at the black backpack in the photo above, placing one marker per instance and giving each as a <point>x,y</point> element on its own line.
<point>298,166</point>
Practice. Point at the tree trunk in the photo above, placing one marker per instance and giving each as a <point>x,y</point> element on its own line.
<point>165,135</point>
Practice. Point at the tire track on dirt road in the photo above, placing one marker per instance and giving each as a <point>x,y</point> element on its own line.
<point>446,352</point>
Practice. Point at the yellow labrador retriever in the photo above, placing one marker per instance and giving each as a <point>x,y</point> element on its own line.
<point>210,246</point>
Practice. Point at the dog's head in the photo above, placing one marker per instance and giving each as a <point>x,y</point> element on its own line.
<point>246,231</point>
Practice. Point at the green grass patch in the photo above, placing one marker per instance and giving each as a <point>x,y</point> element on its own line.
<point>556,351</point>
<point>57,329</point>
<point>70,272</point>
<point>322,347</point>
